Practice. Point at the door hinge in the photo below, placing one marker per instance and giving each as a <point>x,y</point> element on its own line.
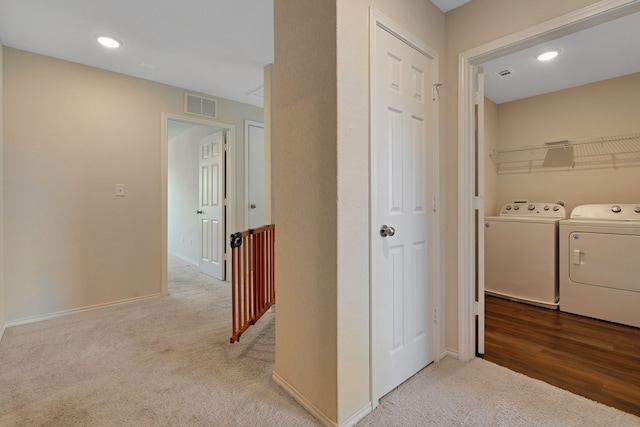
<point>478,203</point>
<point>435,314</point>
<point>476,98</point>
<point>436,91</point>
<point>476,308</point>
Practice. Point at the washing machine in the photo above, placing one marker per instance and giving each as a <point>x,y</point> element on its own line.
<point>600,263</point>
<point>521,253</point>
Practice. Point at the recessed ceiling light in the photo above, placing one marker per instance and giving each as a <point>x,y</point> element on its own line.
<point>548,55</point>
<point>108,41</point>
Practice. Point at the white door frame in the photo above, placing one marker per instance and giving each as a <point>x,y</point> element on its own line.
<point>267,182</point>
<point>377,19</point>
<point>230,179</point>
<point>589,16</point>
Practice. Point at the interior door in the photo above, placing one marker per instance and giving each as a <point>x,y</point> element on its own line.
<point>480,208</point>
<point>211,207</point>
<point>255,174</point>
<point>402,144</point>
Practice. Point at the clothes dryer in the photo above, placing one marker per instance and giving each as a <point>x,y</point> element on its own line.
<point>600,263</point>
<point>521,253</point>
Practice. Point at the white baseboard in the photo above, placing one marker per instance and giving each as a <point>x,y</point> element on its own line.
<point>33,319</point>
<point>449,352</point>
<point>313,409</point>
<point>353,420</point>
<point>2,329</point>
<point>190,261</point>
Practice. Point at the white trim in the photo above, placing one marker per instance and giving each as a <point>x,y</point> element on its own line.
<point>360,414</point>
<point>195,264</point>
<point>448,352</point>
<point>267,179</point>
<point>480,144</point>
<point>466,252</point>
<point>231,184</point>
<point>309,406</point>
<point>583,18</point>
<point>27,320</point>
<point>378,20</point>
<point>4,328</point>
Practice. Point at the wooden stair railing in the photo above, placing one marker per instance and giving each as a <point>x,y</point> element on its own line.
<point>252,277</point>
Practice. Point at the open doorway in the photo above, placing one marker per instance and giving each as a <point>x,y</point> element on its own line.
<point>575,184</point>
<point>470,194</point>
<point>197,192</point>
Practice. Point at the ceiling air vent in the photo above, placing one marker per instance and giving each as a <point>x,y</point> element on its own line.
<point>195,104</point>
<point>507,72</point>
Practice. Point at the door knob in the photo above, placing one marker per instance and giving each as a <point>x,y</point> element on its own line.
<point>386,231</point>
<point>252,205</point>
<point>199,212</point>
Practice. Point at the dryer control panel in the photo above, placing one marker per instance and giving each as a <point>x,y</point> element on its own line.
<point>531,209</point>
<point>619,212</point>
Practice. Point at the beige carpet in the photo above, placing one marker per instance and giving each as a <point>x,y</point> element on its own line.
<point>480,393</point>
<point>168,362</point>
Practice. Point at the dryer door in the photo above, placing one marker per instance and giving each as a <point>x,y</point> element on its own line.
<point>606,260</point>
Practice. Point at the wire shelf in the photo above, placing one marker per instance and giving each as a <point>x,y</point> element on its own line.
<point>594,153</point>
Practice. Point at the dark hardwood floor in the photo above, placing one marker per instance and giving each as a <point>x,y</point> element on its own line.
<point>596,359</point>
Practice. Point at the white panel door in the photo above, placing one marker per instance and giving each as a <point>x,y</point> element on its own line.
<point>211,209</point>
<point>402,147</point>
<point>255,174</point>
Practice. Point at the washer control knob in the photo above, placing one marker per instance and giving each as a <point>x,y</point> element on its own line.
<point>637,209</point>
<point>546,207</point>
<point>616,209</point>
<point>531,207</point>
<point>556,208</point>
<point>508,207</point>
<point>516,207</point>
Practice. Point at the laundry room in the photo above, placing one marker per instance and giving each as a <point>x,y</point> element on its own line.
<point>593,132</point>
<point>559,133</point>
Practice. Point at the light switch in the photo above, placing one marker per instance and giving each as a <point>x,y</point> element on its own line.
<point>119,189</point>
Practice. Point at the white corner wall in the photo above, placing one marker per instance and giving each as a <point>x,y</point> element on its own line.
<point>71,133</point>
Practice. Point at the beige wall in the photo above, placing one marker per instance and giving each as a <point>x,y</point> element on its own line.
<point>600,109</point>
<point>322,194</point>
<point>306,200</point>
<point>72,132</point>
<point>472,25</point>
<point>2,286</point>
